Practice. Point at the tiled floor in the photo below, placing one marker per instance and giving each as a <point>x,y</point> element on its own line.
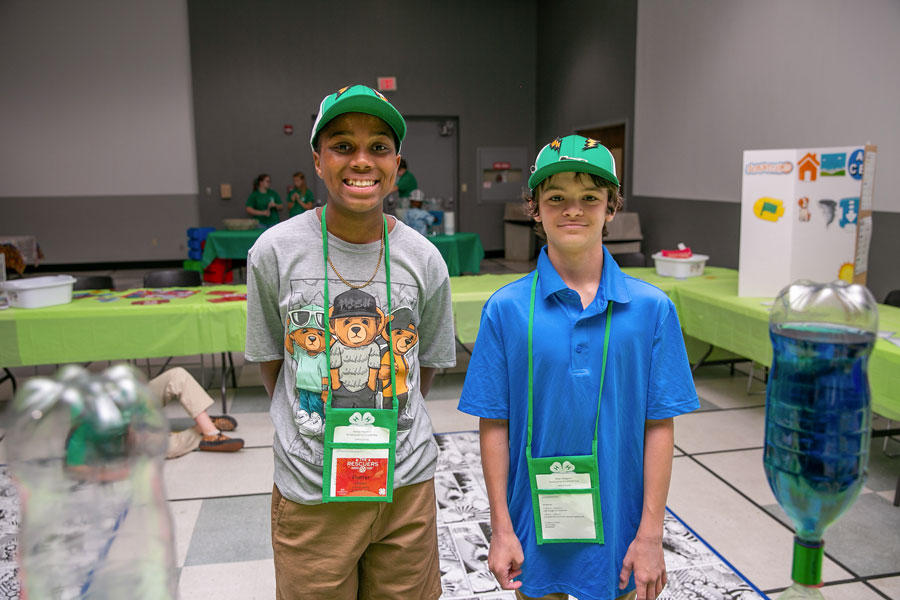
<point>220,502</point>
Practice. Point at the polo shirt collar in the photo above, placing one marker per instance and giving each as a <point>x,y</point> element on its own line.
<point>612,280</point>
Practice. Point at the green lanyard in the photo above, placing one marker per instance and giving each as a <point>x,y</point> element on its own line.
<point>565,489</point>
<point>360,443</point>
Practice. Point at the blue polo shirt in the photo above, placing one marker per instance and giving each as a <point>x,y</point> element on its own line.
<point>647,377</point>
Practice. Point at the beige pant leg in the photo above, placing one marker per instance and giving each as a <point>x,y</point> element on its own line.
<point>176,383</point>
<point>182,442</point>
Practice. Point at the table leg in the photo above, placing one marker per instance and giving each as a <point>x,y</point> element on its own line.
<point>224,379</point>
<point>9,376</point>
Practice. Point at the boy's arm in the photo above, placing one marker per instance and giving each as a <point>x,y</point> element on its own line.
<point>426,376</point>
<point>505,556</point>
<point>645,554</point>
<point>268,372</point>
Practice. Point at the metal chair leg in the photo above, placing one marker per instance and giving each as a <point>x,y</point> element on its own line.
<point>224,379</point>
<point>233,374</point>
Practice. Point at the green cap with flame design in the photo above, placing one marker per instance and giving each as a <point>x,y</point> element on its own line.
<point>573,153</point>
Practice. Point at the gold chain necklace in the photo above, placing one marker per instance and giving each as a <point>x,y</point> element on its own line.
<point>378,264</point>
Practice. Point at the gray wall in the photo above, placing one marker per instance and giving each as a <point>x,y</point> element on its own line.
<point>585,68</point>
<point>716,78</point>
<point>258,66</point>
<point>592,78</point>
<point>97,156</point>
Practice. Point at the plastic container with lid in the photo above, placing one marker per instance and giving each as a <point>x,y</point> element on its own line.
<point>37,292</point>
<point>818,420</point>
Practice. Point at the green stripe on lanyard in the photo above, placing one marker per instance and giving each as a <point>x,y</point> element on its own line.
<point>387,272</point>
<point>609,306</point>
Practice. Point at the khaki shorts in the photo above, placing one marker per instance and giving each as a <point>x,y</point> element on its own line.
<point>357,550</point>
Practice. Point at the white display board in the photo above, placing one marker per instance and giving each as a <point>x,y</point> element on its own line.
<point>805,214</point>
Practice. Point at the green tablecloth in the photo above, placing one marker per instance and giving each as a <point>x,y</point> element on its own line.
<point>88,330</point>
<point>711,312</point>
<point>470,293</point>
<point>462,252</point>
<point>229,244</point>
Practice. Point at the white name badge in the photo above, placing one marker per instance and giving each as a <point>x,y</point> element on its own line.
<point>567,516</point>
<point>361,434</point>
<point>564,481</point>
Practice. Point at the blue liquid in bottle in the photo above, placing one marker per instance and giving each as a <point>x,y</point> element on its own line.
<point>817,422</point>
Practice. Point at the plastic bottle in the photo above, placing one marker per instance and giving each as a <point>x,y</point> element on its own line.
<point>86,452</point>
<point>817,412</point>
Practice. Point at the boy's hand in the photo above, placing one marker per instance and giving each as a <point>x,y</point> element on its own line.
<point>645,558</point>
<point>505,559</point>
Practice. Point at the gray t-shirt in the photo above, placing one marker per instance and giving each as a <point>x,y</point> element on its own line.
<point>285,273</point>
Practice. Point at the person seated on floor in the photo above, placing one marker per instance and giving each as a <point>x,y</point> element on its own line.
<point>206,434</point>
<point>416,217</point>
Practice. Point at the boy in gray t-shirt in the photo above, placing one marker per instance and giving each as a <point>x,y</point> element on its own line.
<point>342,550</point>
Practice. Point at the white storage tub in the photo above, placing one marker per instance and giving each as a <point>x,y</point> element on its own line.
<point>680,268</point>
<point>37,292</point>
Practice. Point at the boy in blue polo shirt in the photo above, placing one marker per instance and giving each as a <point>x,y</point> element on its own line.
<point>576,375</point>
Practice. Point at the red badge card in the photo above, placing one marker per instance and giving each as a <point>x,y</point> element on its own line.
<point>359,472</point>
<point>155,301</point>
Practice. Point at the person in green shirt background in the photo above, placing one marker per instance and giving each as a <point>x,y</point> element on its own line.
<point>406,182</point>
<point>300,198</point>
<point>264,203</point>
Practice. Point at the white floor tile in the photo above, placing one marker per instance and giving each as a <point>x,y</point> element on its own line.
<point>720,430</point>
<point>253,580</point>
<point>184,517</point>
<point>846,591</point>
<point>214,474</point>
<point>890,586</point>
<point>728,392</point>
<point>255,429</point>
<point>744,470</point>
<point>749,538</point>
<point>446,418</point>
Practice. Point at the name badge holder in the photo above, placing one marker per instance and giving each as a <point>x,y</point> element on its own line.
<point>360,443</point>
<point>565,490</point>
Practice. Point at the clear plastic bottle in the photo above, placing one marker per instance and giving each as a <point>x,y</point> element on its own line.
<point>86,452</point>
<point>817,412</point>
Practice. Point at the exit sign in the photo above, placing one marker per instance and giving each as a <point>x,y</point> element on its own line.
<point>387,84</point>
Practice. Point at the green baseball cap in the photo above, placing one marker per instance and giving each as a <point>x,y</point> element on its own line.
<point>573,153</point>
<point>361,99</point>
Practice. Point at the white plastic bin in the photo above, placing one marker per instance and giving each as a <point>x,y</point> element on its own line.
<point>37,292</point>
<point>680,268</point>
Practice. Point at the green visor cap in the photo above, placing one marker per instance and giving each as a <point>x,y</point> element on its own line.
<point>360,99</point>
<point>573,153</point>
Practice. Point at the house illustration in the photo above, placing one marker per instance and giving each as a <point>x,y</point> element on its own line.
<point>809,164</point>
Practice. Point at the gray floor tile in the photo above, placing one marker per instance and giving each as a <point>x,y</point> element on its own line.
<point>446,387</point>
<point>883,469</point>
<point>231,530</point>
<point>866,539</point>
<point>249,400</point>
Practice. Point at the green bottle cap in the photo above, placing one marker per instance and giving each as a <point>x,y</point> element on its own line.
<point>807,569</point>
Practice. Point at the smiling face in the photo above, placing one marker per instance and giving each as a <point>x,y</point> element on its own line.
<point>573,211</point>
<point>357,159</point>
